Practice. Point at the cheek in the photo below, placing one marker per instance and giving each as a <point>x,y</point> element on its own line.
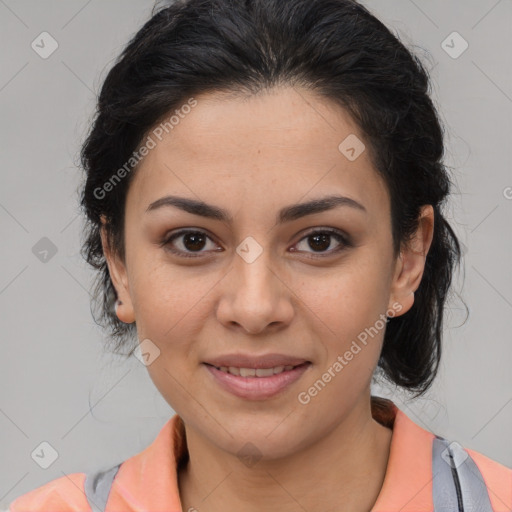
<point>349,298</point>
<point>169,302</point>
<point>348,305</point>
<point>348,310</point>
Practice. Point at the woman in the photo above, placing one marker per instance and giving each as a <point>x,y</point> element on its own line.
<point>264,200</point>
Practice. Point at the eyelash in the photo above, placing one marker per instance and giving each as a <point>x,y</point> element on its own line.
<point>340,237</point>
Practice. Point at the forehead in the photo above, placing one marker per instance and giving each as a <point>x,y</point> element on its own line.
<point>274,147</point>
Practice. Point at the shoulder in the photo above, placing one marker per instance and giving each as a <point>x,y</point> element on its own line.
<point>496,476</point>
<point>424,467</point>
<point>412,435</point>
<point>63,494</point>
<point>146,480</point>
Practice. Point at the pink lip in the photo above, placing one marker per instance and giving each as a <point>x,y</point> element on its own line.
<point>251,361</point>
<point>257,388</point>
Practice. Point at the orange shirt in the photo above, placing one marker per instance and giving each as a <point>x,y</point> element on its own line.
<point>148,481</point>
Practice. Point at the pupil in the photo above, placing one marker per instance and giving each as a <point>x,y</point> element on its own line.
<point>322,238</point>
<point>194,241</point>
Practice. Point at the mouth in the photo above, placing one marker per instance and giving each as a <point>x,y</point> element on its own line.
<point>261,383</point>
<point>256,372</point>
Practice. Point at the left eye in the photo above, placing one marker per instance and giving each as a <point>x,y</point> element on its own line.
<point>193,241</point>
<point>320,240</point>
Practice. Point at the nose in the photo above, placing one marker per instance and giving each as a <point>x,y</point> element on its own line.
<point>255,297</point>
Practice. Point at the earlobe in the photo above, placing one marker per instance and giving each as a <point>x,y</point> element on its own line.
<point>125,315</point>
<point>123,306</point>
<point>410,264</point>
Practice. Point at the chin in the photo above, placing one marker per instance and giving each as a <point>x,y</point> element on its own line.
<point>265,437</point>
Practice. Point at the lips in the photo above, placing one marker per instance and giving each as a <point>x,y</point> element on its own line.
<point>264,361</point>
<point>255,372</point>
<point>256,377</point>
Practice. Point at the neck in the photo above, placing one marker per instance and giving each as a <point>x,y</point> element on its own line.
<point>345,467</point>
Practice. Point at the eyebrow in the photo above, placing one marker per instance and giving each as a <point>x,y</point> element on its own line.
<point>286,214</point>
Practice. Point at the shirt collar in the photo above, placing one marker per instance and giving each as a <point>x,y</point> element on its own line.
<point>149,480</point>
<point>407,483</point>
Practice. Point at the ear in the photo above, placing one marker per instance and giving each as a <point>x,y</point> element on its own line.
<point>118,275</point>
<point>410,264</point>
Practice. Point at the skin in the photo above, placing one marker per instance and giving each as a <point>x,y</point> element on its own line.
<point>252,157</point>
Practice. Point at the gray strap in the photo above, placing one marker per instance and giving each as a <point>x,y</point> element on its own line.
<point>458,485</point>
<point>97,487</point>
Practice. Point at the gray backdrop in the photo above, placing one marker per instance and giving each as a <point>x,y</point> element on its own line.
<point>57,385</point>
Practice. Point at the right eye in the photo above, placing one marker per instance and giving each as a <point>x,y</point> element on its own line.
<point>191,241</point>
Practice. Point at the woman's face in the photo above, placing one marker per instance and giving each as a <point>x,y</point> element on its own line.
<point>246,276</point>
